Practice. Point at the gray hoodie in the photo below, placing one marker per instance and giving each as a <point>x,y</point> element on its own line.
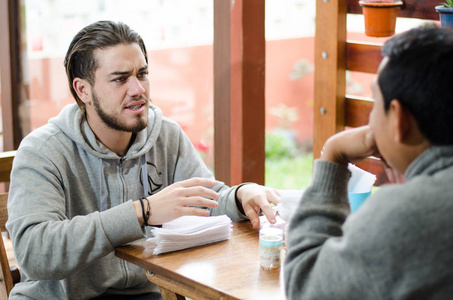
<point>70,204</point>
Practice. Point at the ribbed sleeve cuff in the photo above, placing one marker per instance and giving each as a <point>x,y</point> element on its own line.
<point>329,177</point>
<point>121,225</point>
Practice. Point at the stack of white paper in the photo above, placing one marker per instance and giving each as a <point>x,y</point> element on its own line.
<point>190,231</point>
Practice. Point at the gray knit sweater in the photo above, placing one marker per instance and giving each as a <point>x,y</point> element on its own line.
<point>398,245</point>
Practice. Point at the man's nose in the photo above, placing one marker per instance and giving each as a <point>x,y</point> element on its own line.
<point>136,87</point>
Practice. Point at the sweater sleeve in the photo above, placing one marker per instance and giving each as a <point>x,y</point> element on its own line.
<point>316,264</point>
<point>396,246</point>
<point>48,244</point>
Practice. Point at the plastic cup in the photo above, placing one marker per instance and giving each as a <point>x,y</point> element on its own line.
<point>271,241</point>
<point>357,199</point>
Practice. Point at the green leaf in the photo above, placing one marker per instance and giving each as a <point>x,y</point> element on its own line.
<point>448,4</point>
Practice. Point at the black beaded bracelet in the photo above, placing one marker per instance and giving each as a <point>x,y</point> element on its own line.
<point>146,214</point>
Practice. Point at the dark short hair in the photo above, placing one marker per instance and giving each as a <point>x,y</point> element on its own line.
<point>80,60</point>
<point>419,74</point>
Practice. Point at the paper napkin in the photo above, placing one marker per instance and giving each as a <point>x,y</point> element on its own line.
<point>288,203</point>
<point>361,181</point>
<point>289,200</point>
<point>190,231</point>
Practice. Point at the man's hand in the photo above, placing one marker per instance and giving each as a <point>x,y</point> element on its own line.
<point>350,146</point>
<point>254,197</point>
<point>180,199</point>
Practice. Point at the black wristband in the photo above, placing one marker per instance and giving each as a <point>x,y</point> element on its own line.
<point>147,213</point>
<point>239,203</point>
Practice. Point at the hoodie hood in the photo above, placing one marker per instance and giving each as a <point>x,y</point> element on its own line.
<point>73,123</point>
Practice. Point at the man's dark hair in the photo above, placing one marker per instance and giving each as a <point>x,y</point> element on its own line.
<point>418,74</point>
<point>80,60</point>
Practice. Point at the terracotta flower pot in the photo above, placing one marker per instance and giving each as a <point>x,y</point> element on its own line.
<point>445,15</point>
<point>380,17</point>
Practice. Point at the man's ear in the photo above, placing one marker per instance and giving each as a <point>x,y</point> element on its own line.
<point>402,122</point>
<point>83,89</point>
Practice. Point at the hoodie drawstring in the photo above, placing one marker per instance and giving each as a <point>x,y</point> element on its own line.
<point>102,192</point>
<point>144,175</point>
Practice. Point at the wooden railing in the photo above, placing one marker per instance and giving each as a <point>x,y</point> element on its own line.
<point>334,55</point>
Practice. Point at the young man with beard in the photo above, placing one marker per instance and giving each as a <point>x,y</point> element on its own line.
<point>96,174</point>
<point>398,245</point>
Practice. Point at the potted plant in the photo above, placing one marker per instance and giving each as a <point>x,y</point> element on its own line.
<point>445,11</point>
<point>380,16</point>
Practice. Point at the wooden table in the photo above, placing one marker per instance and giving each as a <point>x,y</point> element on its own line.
<point>223,270</point>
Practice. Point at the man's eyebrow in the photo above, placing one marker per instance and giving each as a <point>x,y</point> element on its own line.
<point>118,73</point>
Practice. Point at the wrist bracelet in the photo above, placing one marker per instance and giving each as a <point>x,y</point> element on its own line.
<point>238,202</point>
<point>146,214</point>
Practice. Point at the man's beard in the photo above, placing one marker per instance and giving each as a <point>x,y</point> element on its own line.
<point>114,122</point>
